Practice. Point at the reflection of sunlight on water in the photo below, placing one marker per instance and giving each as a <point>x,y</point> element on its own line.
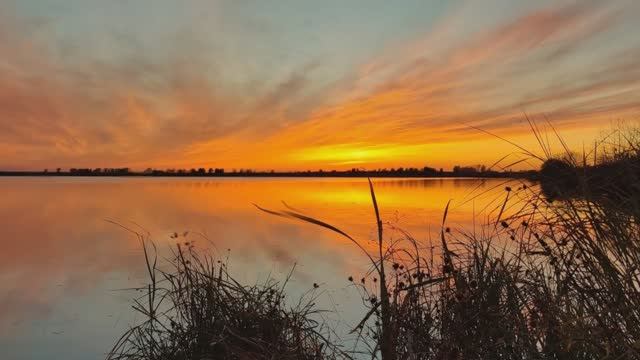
<point>61,261</point>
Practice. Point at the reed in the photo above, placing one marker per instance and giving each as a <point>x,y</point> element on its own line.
<point>197,310</point>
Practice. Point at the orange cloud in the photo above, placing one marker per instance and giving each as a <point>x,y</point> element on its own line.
<point>410,107</point>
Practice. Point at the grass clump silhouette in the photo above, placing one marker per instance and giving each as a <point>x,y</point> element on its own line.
<point>197,310</point>
<point>455,300</point>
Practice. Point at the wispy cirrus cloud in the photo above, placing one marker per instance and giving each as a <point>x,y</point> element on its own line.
<point>70,109</point>
<point>179,104</point>
<point>542,62</point>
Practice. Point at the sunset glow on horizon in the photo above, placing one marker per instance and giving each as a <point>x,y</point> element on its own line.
<point>296,85</point>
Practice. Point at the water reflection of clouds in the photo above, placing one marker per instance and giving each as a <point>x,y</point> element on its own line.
<point>58,248</point>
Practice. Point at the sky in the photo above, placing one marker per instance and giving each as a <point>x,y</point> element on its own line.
<point>291,85</point>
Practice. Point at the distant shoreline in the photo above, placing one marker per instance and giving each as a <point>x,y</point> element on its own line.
<point>314,174</point>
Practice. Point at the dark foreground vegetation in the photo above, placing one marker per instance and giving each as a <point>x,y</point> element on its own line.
<point>612,176</point>
<point>539,280</point>
<point>198,311</point>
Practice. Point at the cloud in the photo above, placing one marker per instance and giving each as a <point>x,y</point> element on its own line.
<point>489,80</point>
<point>132,108</point>
<point>184,105</point>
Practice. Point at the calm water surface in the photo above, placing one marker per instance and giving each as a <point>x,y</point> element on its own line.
<point>63,266</point>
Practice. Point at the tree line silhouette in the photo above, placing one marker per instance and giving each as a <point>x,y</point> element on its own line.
<point>426,171</point>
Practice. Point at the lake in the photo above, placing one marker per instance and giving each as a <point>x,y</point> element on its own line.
<point>66,267</point>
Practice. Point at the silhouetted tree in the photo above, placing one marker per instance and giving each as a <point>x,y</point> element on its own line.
<point>429,170</point>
